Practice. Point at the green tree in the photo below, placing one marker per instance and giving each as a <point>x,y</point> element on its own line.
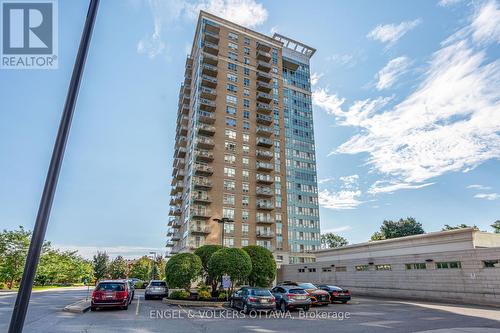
<point>100,263</point>
<point>140,268</point>
<point>62,267</point>
<point>182,269</point>
<point>205,253</point>
<point>118,268</point>
<point>496,226</point>
<point>233,262</point>
<point>331,240</point>
<point>155,273</point>
<point>14,246</point>
<point>160,263</point>
<point>458,226</point>
<point>263,266</point>
<point>395,229</point>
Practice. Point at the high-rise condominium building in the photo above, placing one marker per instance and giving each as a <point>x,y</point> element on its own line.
<point>244,146</point>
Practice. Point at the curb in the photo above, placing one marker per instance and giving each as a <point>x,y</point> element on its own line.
<point>194,303</point>
<point>78,307</point>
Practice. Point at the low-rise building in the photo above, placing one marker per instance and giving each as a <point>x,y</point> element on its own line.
<point>458,265</point>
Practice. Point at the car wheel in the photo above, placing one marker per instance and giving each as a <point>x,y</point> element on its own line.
<point>125,307</point>
<point>245,308</point>
<point>231,304</point>
<point>306,308</point>
<point>344,302</point>
<point>93,308</point>
<point>146,297</point>
<point>283,307</point>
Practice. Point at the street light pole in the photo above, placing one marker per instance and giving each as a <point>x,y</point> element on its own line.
<point>154,263</point>
<point>23,296</point>
<point>223,221</point>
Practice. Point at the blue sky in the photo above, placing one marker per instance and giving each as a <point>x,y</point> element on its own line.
<point>406,106</point>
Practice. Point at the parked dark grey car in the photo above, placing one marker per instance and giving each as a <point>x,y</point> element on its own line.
<point>252,298</point>
<point>291,297</point>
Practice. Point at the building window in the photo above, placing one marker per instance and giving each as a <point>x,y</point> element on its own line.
<point>326,269</point>
<point>247,41</point>
<point>229,213</point>
<point>384,267</point>
<point>230,99</point>
<point>245,161</point>
<point>245,174</point>
<point>245,201</point>
<point>230,122</point>
<point>361,268</point>
<point>229,172</point>
<point>491,263</point>
<point>232,67</point>
<point>302,270</point>
<point>228,199</point>
<point>246,114</point>
<point>246,103</point>
<point>246,50</point>
<point>246,82</point>
<point>449,265</point>
<point>229,185</point>
<point>230,134</point>
<point>229,159</point>
<point>246,148</point>
<point>244,215</point>
<point>246,125</point>
<point>232,77</point>
<point>232,46</point>
<point>230,146</point>
<point>340,269</point>
<point>233,56</point>
<point>312,270</point>
<point>246,137</point>
<point>232,87</point>
<point>232,35</point>
<point>229,241</point>
<point>246,92</point>
<point>416,266</point>
<point>245,187</point>
<point>246,61</point>
<point>244,242</point>
<point>231,110</point>
<point>246,71</point>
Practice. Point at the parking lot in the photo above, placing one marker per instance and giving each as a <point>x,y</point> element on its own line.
<point>362,314</point>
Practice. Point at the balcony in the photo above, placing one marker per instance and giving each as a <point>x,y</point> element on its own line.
<point>264,77</point>
<point>206,117</point>
<point>209,70</point>
<point>201,197</point>
<point>174,222</point>
<point>199,229</point>
<point>182,130</point>
<point>211,37</point>
<point>265,205</point>
<point>187,80</point>
<point>201,169</point>
<point>208,93</point>
<point>263,119</point>
<point>263,107</point>
<point>264,97</point>
<point>207,105</point>
<point>201,213</point>
<point>211,48</point>
<point>264,154</point>
<point>263,130</point>
<point>265,234</point>
<point>263,47</point>
<point>265,166</point>
<point>169,244</point>
<point>175,212</point>
<point>179,163</point>
<point>264,142</point>
<point>263,191</point>
<point>183,119</point>
<point>204,155</point>
<point>208,81</point>
<point>265,87</point>
<point>266,179</point>
<point>181,142</point>
<point>264,219</point>
<point>176,236</point>
<point>202,183</point>
<point>170,232</point>
<point>206,129</point>
<point>193,244</point>
<point>179,174</point>
<point>186,99</point>
<point>204,142</point>
<point>263,66</point>
<point>176,200</point>
<point>180,152</point>
<point>210,59</point>
<point>262,55</point>
<point>185,109</point>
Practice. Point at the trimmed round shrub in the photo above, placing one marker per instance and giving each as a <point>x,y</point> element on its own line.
<point>182,269</point>
<point>204,295</point>
<point>231,261</point>
<point>263,266</point>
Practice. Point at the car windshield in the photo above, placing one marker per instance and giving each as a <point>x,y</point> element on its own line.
<point>334,288</point>
<point>260,292</point>
<point>297,291</point>
<point>307,285</point>
<point>158,284</point>
<point>110,287</point>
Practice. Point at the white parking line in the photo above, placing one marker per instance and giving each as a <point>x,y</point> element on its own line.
<point>137,306</point>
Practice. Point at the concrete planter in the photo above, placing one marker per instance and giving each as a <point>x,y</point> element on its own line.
<point>188,303</point>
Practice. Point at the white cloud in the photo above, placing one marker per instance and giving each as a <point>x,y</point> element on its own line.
<point>390,187</point>
<point>248,13</point>
<point>315,78</point>
<point>479,187</point>
<point>128,252</point>
<point>339,200</point>
<point>391,72</point>
<point>167,13</point>
<point>486,24</point>
<point>487,196</point>
<point>348,60</point>
<point>447,3</point>
<point>326,180</point>
<point>449,123</point>
<point>391,33</point>
<point>338,229</point>
<point>274,29</point>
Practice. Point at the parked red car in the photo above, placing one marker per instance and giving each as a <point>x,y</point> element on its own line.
<point>111,294</point>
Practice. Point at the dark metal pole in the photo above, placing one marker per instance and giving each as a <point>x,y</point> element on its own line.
<point>24,294</point>
<point>223,230</point>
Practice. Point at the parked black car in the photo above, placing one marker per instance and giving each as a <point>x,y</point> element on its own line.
<point>252,298</point>
<point>337,294</point>
<point>291,297</point>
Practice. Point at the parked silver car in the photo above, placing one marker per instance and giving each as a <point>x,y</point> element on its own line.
<point>156,289</point>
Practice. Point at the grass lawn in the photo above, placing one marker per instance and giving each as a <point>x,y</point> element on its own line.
<point>46,287</point>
